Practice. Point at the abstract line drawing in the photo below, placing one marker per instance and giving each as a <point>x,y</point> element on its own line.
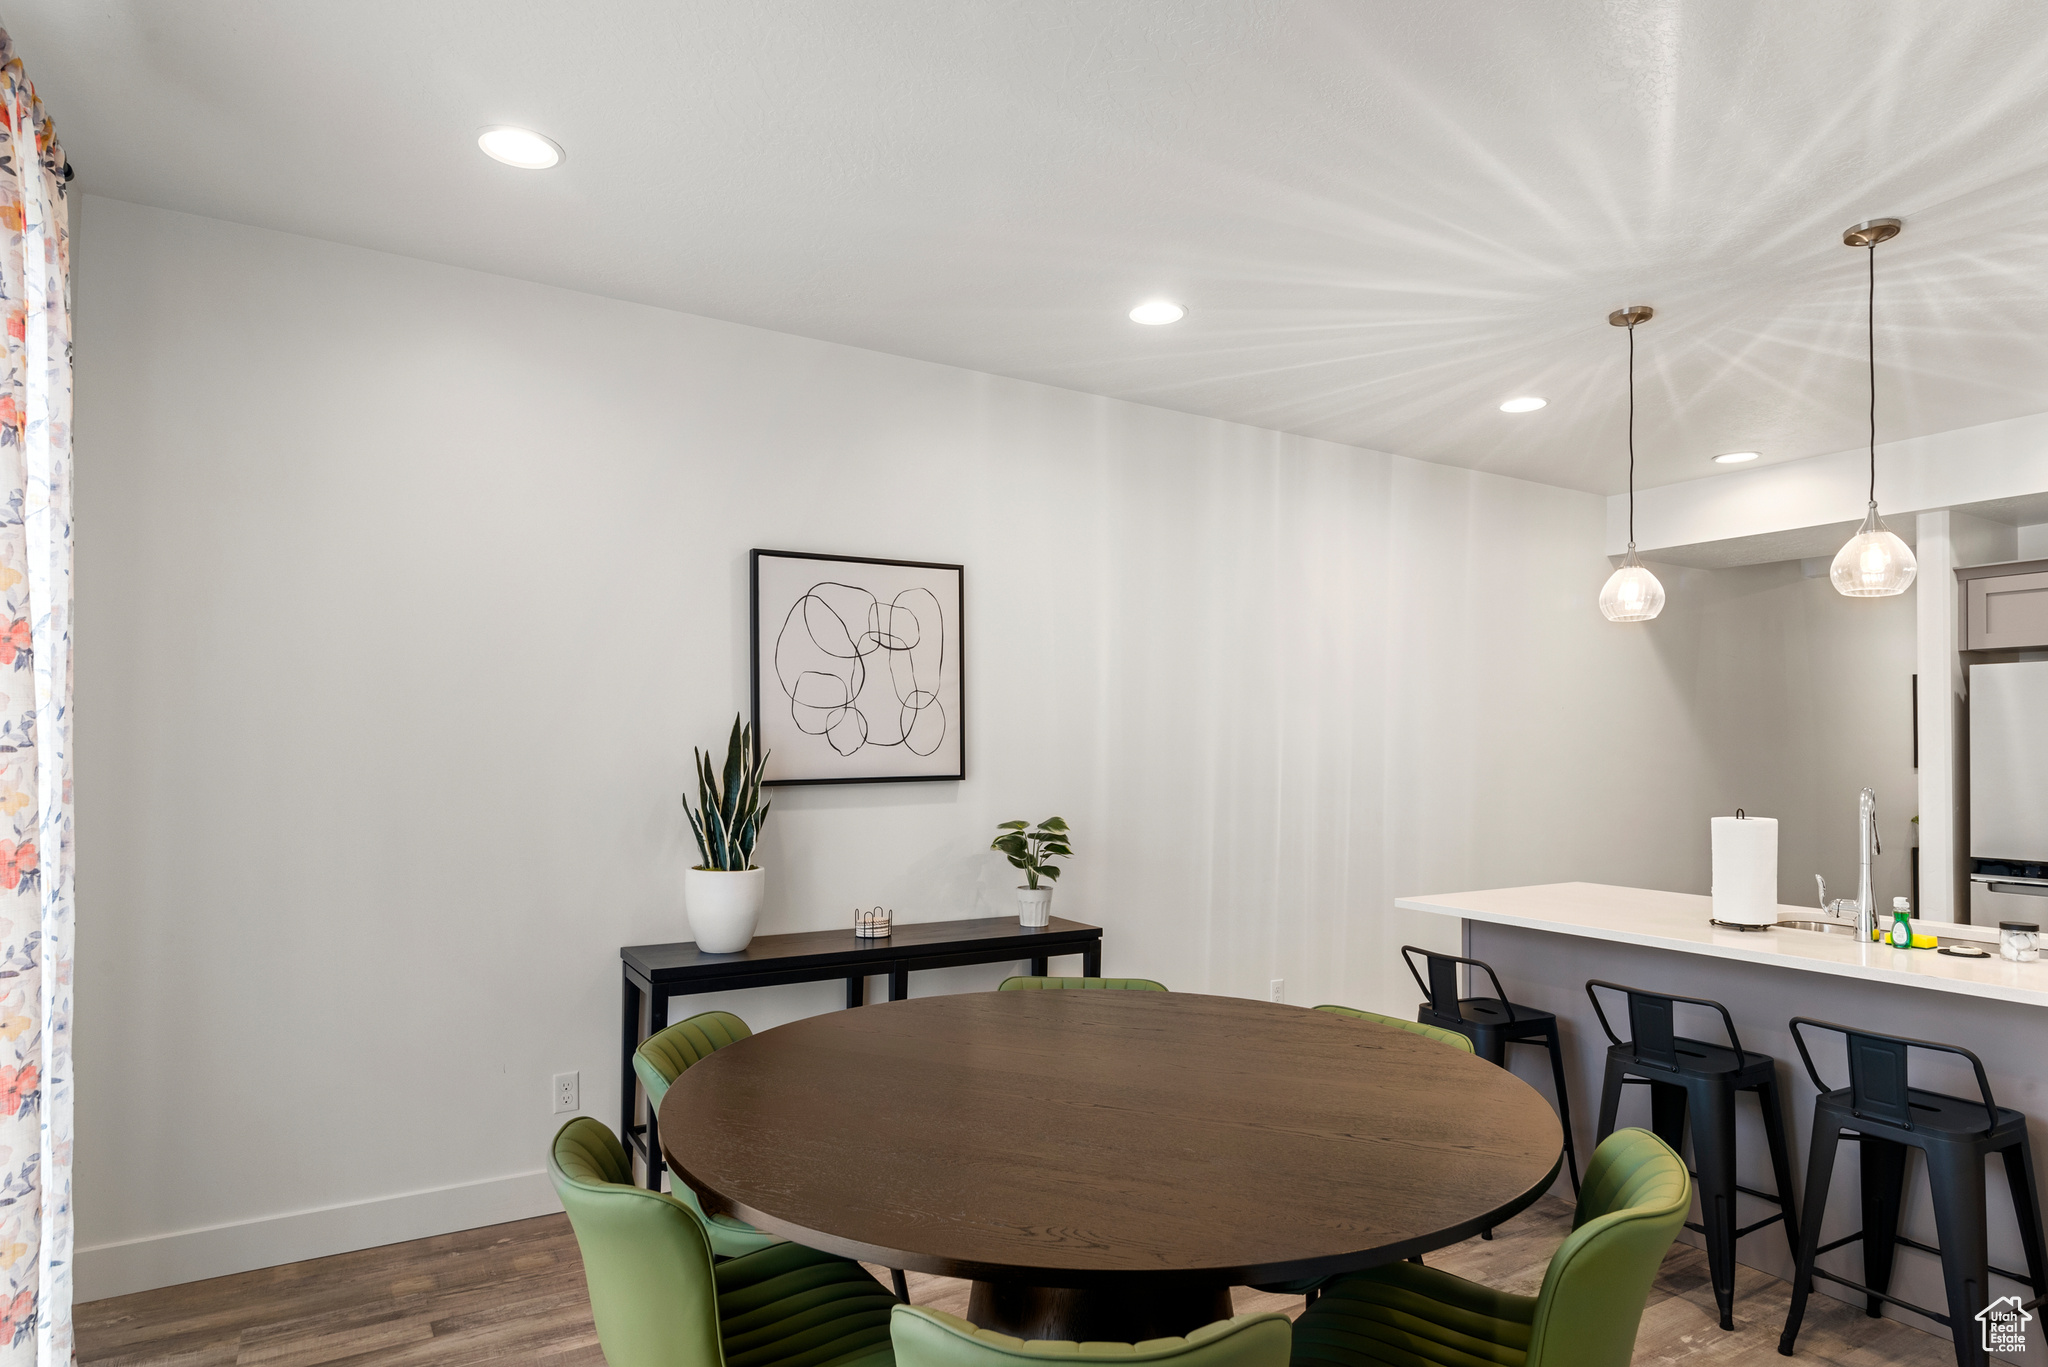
<point>837,640</point>
<point>857,668</point>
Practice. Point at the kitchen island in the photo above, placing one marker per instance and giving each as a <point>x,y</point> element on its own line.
<point>1546,941</point>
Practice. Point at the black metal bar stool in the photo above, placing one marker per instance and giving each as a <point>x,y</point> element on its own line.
<point>1492,1024</point>
<point>1692,1075</point>
<point>1881,1110</point>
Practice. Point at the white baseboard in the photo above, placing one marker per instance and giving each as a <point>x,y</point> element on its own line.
<point>129,1265</point>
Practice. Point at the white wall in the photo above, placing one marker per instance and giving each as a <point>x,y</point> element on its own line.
<point>1803,697</point>
<point>404,592</point>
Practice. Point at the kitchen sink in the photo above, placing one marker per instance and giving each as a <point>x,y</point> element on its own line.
<point>1818,926</point>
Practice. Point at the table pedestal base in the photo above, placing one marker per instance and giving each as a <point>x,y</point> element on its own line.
<point>1131,1315</point>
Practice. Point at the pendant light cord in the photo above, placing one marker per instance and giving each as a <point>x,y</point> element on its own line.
<point>1632,434</point>
<point>1870,346</point>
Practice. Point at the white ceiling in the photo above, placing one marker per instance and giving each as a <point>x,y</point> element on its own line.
<point>1384,217</point>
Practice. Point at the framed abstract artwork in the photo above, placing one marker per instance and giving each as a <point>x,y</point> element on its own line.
<point>859,668</point>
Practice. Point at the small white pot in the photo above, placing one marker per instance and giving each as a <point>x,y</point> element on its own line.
<point>1034,906</point>
<point>724,906</point>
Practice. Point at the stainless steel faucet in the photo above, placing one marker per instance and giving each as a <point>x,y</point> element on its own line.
<point>1866,830</point>
<point>1865,905</point>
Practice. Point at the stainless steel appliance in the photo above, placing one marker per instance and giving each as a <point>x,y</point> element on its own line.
<point>2008,790</point>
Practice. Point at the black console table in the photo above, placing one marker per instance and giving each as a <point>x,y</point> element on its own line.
<point>654,973</point>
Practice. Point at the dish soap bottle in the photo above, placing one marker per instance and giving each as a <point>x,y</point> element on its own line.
<point>1901,936</point>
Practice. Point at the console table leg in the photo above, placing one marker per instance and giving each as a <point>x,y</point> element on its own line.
<point>1091,960</point>
<point>629,1097</point>
<point>856,992</point>
<point>657,1021</point>
<point>1040,966</point>
<point>899,981</point>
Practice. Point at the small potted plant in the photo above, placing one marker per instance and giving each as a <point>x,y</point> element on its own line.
<point>1032,849</point>
<point>724,892</point>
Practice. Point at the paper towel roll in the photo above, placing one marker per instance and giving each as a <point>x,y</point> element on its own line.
<point>1746,870</point>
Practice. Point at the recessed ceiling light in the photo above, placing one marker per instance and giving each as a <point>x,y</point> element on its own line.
<point>1736,457</point>
<point>520,147</point>
<point>1157,311</point>
<point>1528,403</point>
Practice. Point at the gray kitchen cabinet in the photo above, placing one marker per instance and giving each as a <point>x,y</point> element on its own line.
<point>2005,607</point>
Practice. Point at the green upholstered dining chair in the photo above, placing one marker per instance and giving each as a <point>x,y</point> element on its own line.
<point>932,1338</point>
<point>1079,984</point>
<point>1631,1204</point>
<point>659,1300</point>
<point>1431,1032</point>
<point>659,1061</point>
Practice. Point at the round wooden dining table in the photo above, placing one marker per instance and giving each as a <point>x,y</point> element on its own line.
<point>1108,1164</point>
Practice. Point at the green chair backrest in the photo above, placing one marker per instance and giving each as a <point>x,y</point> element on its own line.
<point>1437,1033</point>
<point>931,1338</point>
<point>1634,1198</point>
<point>1079,984</point>
<point>661,1058</point>
<point>659,1061</point>
<point>645,1257</point>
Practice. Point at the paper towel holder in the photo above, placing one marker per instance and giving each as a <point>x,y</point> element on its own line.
<point>1717,922</point>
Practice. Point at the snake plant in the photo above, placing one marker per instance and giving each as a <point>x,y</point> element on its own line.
<point>729,813</point>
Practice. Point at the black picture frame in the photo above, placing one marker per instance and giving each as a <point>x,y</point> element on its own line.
<point>956,715</point>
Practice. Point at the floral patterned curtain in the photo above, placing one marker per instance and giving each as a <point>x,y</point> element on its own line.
<point>35,732</point>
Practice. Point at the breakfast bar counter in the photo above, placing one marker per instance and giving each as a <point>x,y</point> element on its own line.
<point>1681,921</point>
<point>1547,941</point>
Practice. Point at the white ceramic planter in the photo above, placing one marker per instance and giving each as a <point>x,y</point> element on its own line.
<point>1034,906</point>
<point>724,907</point>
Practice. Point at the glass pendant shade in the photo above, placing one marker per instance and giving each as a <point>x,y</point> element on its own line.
<point>1632,593</point>
<point>1875,563</point>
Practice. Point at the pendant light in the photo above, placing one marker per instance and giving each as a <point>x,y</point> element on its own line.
<point>1632,593</point>
<point>1875,563</point>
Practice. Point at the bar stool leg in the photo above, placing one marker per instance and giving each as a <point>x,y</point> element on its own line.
<point>1667,1114</point>
<point>1610,1098</point>
<point>1564,1107</point>
<point>2026,1208</point>
<point>1781,1161</point>
<point>1884,1186</point>
<point>1820,1168</point>
<point>1713,1155</point>
<point>1956,1181</point>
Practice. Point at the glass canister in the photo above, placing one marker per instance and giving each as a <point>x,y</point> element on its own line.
<point>2019,941</point>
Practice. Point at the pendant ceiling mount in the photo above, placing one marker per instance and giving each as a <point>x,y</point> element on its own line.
<point>1871,233</point>
<point>1632,593</point>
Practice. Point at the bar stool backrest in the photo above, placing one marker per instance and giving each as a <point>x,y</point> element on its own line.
<point>1442,988</point>
<point>1878,1077</point>
<point>1652,1034</point>
<point>1649,1026</point>
<point>1880,1072</point>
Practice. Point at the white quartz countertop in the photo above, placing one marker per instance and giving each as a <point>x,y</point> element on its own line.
<point>1680,921</point>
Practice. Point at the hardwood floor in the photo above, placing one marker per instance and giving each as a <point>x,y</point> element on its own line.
<point>508,1293</point>
<point>514,1294</point>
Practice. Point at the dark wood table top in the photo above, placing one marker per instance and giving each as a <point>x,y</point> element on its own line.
<point>1082,1139</point>
<point>684,960</point>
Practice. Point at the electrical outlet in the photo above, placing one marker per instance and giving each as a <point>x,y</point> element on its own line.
<point>1278,991</point>
<point>565,1093</point>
